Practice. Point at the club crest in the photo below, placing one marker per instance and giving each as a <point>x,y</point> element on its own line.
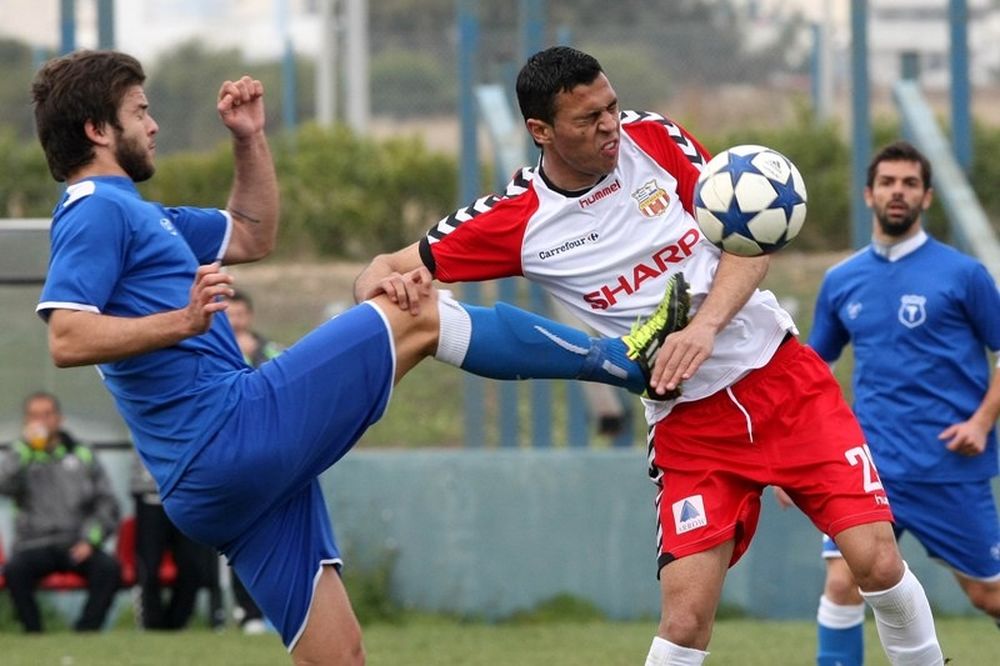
<point>912,310</point>
<point>652,199</point>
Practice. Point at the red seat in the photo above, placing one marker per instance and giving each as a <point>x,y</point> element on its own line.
<point>124,551</point>
<point>63,580</point>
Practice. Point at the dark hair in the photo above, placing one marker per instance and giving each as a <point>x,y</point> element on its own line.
<point>548,73</point>
<point>242,297</point>
<point>41,395</point>
<point>70,90</point>
<point>900,151</point>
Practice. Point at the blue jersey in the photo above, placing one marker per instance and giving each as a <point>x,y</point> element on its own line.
<point>920,327</point>
<point>115,254</point>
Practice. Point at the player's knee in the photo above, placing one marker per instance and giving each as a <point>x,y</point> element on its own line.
<point>840,587</point>
<point>985,597</point>
<point>688,629</point>
<point>842,591</point>
<point>420,330</point>
<point>879,567</point>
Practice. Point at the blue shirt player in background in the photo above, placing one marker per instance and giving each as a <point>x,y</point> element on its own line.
<point>134,287</point>
<point>920,316</point>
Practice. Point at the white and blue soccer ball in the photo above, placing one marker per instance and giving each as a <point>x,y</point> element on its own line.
<point>750,200</point>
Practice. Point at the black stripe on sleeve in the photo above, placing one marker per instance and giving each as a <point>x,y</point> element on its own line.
<point>426,255</point>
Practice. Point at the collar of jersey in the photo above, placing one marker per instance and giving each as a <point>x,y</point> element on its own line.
<point>120,182</point>
<point>569,194</point>
<point>897,251</point>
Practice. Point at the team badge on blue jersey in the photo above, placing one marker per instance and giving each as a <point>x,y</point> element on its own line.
<point>853,310</point>
<point>912,312</point>
<point>689,514</point>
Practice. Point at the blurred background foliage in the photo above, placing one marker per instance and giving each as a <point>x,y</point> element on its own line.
<point>348,196</point>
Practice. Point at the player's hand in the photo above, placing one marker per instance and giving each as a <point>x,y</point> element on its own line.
<point>209,295</point>
<point>784,499</point>
<point>965,439</point>
<point>406,290</point>
<point>241,106</point>
<point>80,552</point>
<point>681,355</point>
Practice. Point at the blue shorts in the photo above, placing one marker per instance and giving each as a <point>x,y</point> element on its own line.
<point>956,523</point>
<point>252,491</point>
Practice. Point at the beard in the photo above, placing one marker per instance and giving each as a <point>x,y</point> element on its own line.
<point>133,159</point>
<point>897,226</point>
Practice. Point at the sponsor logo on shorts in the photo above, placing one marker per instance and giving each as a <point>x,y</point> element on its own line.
<point>882,500</point>
<point>689,514</point>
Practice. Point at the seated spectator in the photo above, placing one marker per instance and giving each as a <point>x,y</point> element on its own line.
<point>155,534</point>
<point>65,514</point>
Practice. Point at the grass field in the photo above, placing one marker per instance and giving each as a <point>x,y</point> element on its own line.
<point>438,642</point>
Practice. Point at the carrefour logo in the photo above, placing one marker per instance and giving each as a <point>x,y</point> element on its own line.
<point>569,245</point>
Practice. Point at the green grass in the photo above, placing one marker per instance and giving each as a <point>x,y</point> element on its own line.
<point>432,641</point>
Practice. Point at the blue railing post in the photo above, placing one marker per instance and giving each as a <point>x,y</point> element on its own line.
<point>105,24</point>
<point>468,56</point>
<point>67,26</point>
<point>861,143</point>
<point>961,122</point>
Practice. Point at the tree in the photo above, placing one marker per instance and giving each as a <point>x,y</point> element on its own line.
<point>15,88</point>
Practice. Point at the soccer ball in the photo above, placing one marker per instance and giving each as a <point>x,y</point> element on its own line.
<point>750,200</point>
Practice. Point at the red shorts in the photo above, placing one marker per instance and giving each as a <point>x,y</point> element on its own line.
<point>786,425</point>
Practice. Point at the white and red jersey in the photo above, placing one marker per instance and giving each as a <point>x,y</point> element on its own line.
<point>606,252</point>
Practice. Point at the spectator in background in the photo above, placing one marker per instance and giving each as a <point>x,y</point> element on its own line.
<point>155,534</point>
<point>65,513</point>
<point>256,350</point>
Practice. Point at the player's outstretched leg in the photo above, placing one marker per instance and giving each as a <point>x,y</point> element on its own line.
<point>505,342</point>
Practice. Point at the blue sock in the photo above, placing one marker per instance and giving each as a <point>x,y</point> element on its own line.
<point>509,343</point>
<point>841,647</point>
<point>841,634</point>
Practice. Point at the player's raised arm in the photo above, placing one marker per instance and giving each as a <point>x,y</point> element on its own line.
<point>253,201</point>
<point>78,337</point>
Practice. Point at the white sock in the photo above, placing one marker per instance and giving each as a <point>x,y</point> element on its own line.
<point>664,653</point>
<point>455,332</point>
<point>837,616</point>
<point>905,624</point>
